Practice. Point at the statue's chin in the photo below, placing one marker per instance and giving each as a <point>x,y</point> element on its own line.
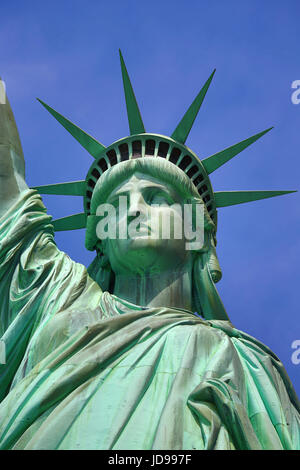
<point>142,234</point>
<point>143,242</point>
<point>141,253</point>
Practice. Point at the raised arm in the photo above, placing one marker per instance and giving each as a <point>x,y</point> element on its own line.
<point>37,280</point>
<point>12,165</point>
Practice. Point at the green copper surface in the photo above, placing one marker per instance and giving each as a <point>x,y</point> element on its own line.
<point>94,147</point>
<point>214,162</point>
<point>137,351</point>
<point>71,222</point>
<point>136,125</point>
<point>74,188</point>
<point>230,198</point>
<point>92,371</point>
<point>139,136</point>
<point>183,129</point>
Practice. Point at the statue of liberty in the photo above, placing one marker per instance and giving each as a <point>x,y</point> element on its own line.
<point>137,351</point>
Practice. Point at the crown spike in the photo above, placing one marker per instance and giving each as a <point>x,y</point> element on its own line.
<point>74,188</point>
<point>71,222</point>
<point>94,147</point>
<point>230,198</point>
<point>136,125</point>
<point>183,129</point>
<point>214,162</point>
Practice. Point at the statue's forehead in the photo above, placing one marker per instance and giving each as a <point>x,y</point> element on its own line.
<point>140,180</point>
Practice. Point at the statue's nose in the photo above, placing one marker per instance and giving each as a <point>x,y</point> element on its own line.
<point>137,205</point>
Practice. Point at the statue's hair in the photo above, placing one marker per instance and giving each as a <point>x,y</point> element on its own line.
<point>159,168</point>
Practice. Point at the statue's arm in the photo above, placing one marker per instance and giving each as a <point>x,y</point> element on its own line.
<point>12,165</point>
<point>33,271</point>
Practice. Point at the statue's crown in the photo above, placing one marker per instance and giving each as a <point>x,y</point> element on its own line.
<point>141,144</point>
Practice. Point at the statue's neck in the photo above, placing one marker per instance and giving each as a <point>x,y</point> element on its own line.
<point>168,289</point>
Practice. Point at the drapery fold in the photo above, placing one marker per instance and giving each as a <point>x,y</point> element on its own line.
<point>86,370</point>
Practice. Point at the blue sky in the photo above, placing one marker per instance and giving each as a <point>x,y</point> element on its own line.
<point>66,53</point>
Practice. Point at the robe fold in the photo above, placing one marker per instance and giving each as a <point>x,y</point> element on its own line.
<point>87,370</point>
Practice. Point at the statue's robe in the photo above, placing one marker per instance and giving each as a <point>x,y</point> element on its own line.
<point>86,370</point>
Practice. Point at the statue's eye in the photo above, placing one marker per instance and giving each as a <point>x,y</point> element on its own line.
<point>120,203</point>
<point>157,196</point>
<point>160,199</point>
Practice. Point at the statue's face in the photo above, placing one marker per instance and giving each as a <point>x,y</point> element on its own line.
<point>147,248</point>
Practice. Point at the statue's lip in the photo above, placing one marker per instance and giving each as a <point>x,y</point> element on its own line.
<point>142,230</point>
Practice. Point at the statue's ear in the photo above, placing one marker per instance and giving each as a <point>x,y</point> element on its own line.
<point>199,212</point>
<point>207,299</point>
<point>90,232</point>
<point>102,256</point>
<point>213,262</point>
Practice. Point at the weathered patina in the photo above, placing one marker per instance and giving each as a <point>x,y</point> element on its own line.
<point>137,351</point>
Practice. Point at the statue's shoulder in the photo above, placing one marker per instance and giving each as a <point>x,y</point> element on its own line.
<point>236,334</point>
